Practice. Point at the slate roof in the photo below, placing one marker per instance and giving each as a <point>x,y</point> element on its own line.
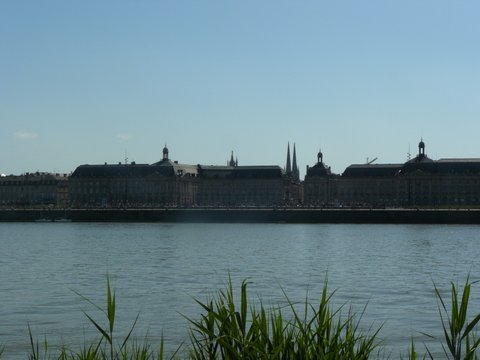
<point>240,172</point>
<point>459,160</point>
<point>319,169</point>
<point>37,177</point>
<point>418,165</point>
<point>444,166</point>
<point>165,168</point>
<point>372,170</point>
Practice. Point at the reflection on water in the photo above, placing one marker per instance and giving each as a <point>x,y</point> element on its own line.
<point>157,269</point>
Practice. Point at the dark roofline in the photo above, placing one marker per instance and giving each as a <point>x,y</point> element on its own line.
<point>372,170</point>
<point>459,160</point>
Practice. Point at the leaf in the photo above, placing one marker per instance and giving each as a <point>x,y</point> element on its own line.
<point>110,305</point>
<point>471,325</point>
<point>130,332</point>
<point>35,352</point>
<point>90,302</point>
<point>99,328</point>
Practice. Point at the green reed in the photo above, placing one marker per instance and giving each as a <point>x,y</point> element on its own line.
<point>227,331</point>
<point>459,333</point>
<point>235,328</point>
<point>106,347</point>
<point>460,340</point>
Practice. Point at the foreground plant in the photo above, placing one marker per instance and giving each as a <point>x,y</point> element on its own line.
<point>111,350</point>
<point>412,353</point>
<point>227,332</point>
<point>462,343</point>
<point>106,332</point>
<point>459,334</point>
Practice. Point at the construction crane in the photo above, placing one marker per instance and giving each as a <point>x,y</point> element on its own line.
<point>371,161</point>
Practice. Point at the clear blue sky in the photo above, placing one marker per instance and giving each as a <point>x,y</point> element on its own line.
<point>81,82</point>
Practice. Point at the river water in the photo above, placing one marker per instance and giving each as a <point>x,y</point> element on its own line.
<point>158,270</point>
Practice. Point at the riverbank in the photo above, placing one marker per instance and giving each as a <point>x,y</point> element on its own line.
<point>248,215</point>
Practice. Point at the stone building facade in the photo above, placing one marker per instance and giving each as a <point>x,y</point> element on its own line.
<point>34,189</point>
<point>320,185</point>
<point>420,181</point>
<point>164,183</point>
<point>241,186</point>
<point>167,183</point>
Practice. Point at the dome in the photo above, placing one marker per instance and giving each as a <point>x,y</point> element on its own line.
<point>421,144</point>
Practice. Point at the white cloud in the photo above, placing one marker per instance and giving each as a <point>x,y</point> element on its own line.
<point>22,135</point>
<point>124,137</point>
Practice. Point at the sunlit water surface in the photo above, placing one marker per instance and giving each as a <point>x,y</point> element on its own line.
<point>158,269</point>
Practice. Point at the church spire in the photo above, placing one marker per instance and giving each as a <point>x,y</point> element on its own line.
<point>232,162</point>
<point>289,167</point>
<point>295,172</point>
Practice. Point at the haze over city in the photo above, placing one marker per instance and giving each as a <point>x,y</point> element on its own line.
<point>88,82</point>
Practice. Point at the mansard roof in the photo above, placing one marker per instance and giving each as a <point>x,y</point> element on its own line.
<point>444,166</point>
<point>418,165</point>
<point>459,160</point>
<point>459,165</point>
<point>420,159</point>
<point>35,177</point>
<point>165,168</point>
<point>109,170</point>
<point>372,170</point>
<point>319,169</point>
<point>240,172</point>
